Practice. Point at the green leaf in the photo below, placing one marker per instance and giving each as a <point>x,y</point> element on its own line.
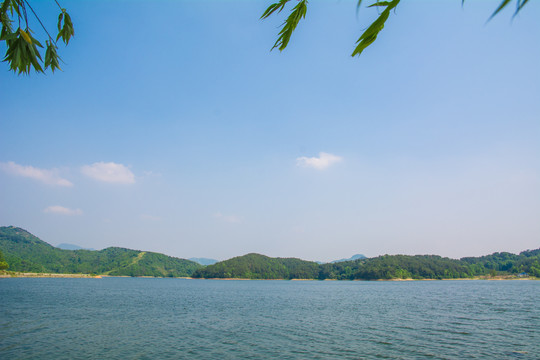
<point>60,17</point>
<point>65,30</point>
<point>51,57</point>
<point>297,13</point>
<point>370,34</point>
<point>501,6</point>
<point>273,8</point>
<point>380,3</point>
<point>358,6</point>
<point>520,5</point>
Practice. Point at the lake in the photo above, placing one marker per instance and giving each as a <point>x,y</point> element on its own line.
<point>141,318</point>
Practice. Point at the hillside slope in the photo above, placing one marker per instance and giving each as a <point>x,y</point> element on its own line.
<point>25,252</point>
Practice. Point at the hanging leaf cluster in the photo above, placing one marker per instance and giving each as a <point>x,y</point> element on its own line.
<point>368,36</point>
<point>371,33</point>
<point>23,50</point>
<point>297,13</point>
<point>65,28</point>
<point>22,53</point>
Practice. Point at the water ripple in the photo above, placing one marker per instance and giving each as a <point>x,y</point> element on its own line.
<point>124,318</point>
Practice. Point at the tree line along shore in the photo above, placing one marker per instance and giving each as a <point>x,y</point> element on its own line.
<point>24,255</point>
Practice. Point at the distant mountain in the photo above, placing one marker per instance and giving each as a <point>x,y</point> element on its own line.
<point>25,252</point>
<point>354,257</point>
<point>204,261</point>
<point>256,266</point>
<point>65,246</point>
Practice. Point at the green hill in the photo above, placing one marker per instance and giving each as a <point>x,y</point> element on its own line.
<point>26,253</point>
<point>256,266</point>
<point>399,267</point>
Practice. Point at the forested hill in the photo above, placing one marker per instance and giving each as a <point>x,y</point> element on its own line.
<point>26,253</point>
<point>526,261</point>
<point>255,266</point>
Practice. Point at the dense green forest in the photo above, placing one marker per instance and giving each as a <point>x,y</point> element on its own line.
<point>3,264</point>
<point>255,266</point>
<point>527,261</point>
<point>26,253</point>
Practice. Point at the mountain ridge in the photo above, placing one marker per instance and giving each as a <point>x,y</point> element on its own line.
<point>66,246</point>
<point>352,258</point>
<point>27,253</point>
<point>204,261</point>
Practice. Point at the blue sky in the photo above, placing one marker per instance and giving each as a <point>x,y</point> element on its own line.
<point>174,129</point>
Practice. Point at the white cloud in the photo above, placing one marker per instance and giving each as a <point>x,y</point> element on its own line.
<point>109,172</point>
<point>49,177</point>
<point>57,209</point>
<point>233,219</point>
<point>320,163</point>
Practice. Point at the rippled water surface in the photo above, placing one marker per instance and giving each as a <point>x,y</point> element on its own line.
<point>134,318</point>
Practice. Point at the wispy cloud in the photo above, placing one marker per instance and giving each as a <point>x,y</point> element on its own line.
<point>46,176</point>
<point>320,163</point>
<point>109,172</point>
<point>233,219</point>
<point>57,209</point>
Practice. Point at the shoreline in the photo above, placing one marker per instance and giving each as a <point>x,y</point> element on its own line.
<point>14,274</point>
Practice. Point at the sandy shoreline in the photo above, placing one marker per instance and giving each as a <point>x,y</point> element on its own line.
<point>12,274</point>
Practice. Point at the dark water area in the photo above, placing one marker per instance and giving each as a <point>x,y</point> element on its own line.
<point>135,318</point>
